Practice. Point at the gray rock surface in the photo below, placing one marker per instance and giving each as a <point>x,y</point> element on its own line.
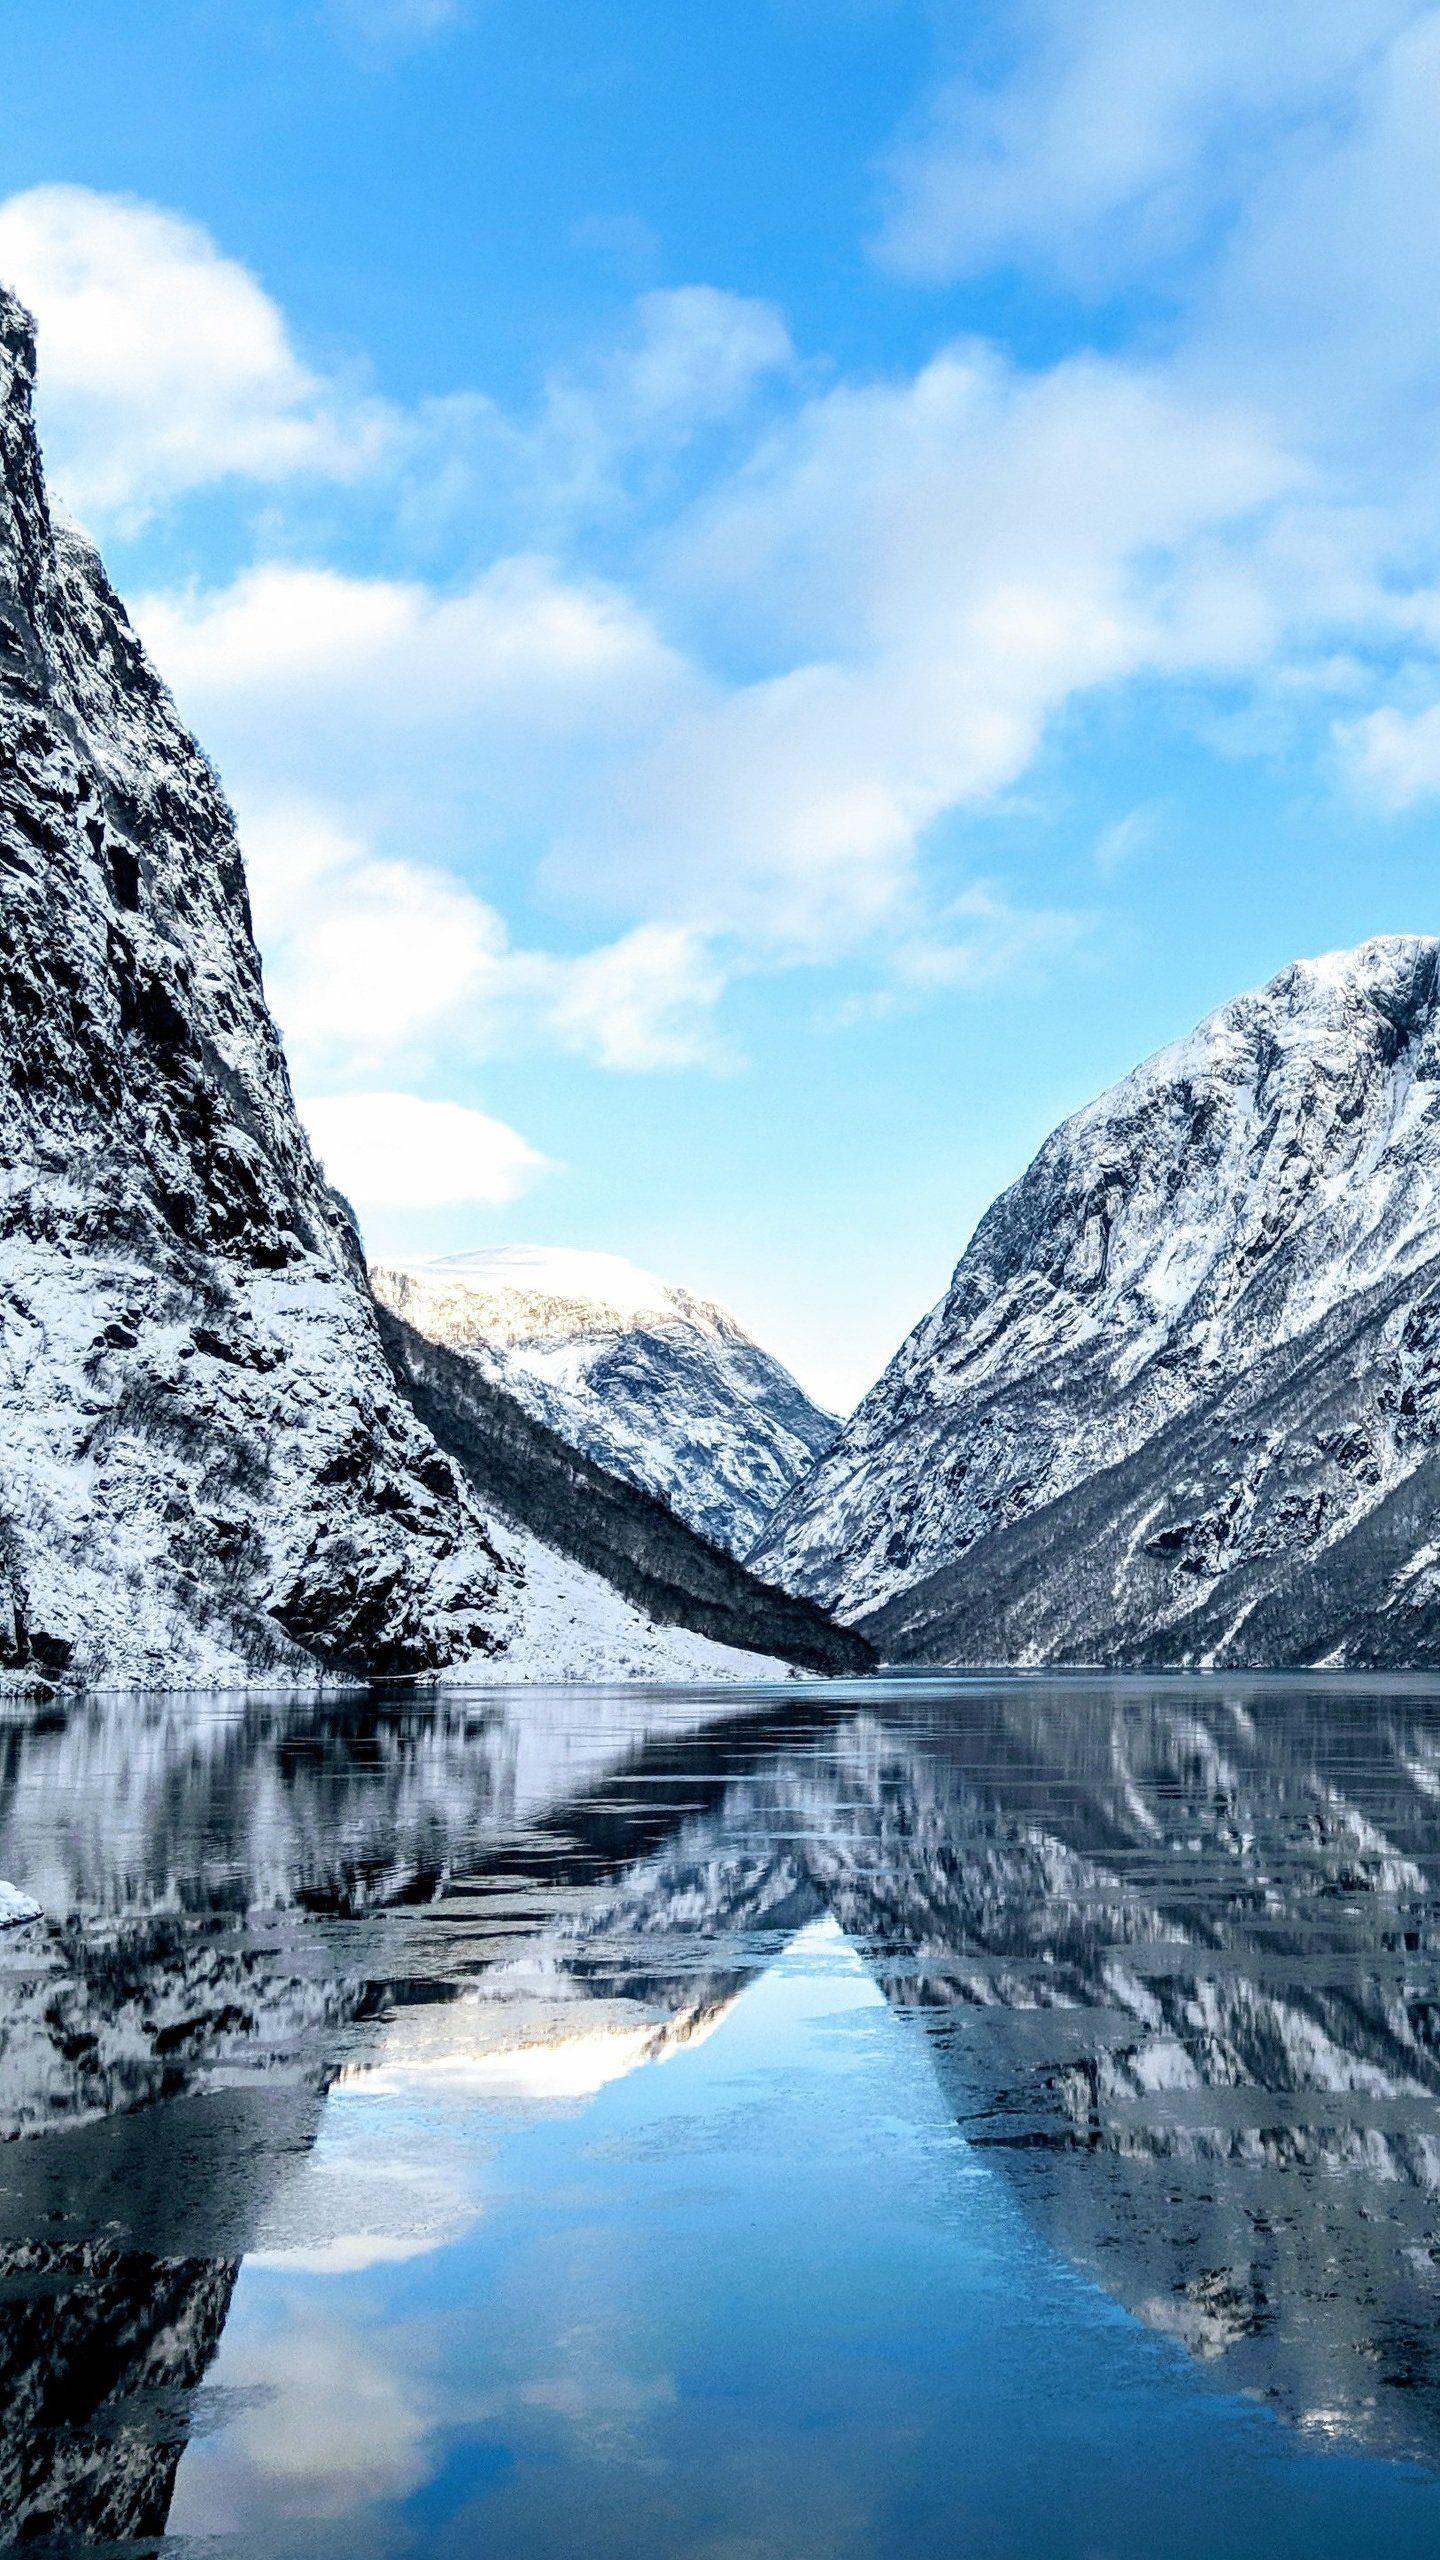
<point>206,1470</point>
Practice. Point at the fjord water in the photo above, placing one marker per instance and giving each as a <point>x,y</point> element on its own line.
<point>999,2116</point>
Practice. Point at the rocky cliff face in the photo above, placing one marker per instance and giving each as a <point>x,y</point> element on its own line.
<point>657,1385</point>
<point>1181,1400</point>
<point>207,1470</point>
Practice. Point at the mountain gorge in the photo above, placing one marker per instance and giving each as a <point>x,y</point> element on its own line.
<point>1182,1399</point>
<point>1180,1405</point>
<point>540,1477</point>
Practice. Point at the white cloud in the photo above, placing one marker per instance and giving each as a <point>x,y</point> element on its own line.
<point>928,571</point>
<point>395,1151</point>
<point>1322,302</point>
<point>692,354</point>
<point>942,596</point>
<point>350,2253</point>
<point>1291,154</point>
<point>304,679</point>
<point>953,559</point>
<point>366,959</point>
<point>909,556</point>
<point>1392,757</point>
<point>521,638</point>
<point>380,965</point>
<point>610,425</point>
<point>644,1001</point>
<point>163,364</point>
<point>1115,130</point>
<point>330,2425</point>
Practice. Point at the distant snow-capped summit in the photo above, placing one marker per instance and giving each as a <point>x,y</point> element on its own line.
<point>660,1386</point>
<point>1182,1398</point>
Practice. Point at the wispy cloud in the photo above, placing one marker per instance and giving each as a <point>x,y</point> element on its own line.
<point>1391,757</point>
<point>1125,839</point>
<point>1111,134</point>
<point>381,964</point>
<point>849,624</point>
<point>942,597</point>
<point>396,26</point>
<point>982,938</point>
<point>166,366</point>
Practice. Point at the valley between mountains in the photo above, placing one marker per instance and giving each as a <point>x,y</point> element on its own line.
<point>1180,1404</point>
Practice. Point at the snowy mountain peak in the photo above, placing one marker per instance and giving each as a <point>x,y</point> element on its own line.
<point>661,1387</point>
<point>1382,992</point>
<point>1390,968</point>
<point>1232,1195</point>
<point>521,1292</point>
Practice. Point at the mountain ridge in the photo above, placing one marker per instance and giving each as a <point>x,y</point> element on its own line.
<point>174,1273</point>
<point>652,1381</point>
<point>536,1476</point>
<point>1174,1247</point>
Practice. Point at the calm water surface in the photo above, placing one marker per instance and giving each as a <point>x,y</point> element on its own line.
<point>903,2119</point>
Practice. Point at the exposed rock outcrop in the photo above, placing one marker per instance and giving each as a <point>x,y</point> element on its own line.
<point>206,1471</point>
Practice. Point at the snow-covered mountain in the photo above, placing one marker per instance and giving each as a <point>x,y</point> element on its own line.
<point>658,1385</point>
<point>208,1470</point>
<point>536,1478</point>
<point>1182,1399</point>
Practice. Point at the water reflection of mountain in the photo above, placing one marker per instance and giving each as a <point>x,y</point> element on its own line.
<point>1176,1959</point>
<point>1173,1948</point>
<point>1209,2046</point>
<point>100,2350</point>
<point>230,1904</point>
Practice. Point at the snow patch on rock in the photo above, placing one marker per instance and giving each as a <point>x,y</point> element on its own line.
<point>568,1625</point>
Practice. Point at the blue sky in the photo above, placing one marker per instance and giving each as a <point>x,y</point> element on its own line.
<point>782,591</point>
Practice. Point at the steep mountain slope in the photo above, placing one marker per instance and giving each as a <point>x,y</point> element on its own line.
<point>656,1384</point>
<point>1293,1518</point>
<point>536,1476</point>
<point>1180,1400</point>
<point>207,1471</point>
